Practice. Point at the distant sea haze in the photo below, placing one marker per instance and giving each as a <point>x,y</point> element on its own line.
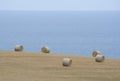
<point>64,32</point>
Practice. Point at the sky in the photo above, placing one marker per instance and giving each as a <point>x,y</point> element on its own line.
<point>60,5</point>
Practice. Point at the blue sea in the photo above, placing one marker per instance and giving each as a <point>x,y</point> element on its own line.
<point>64,32</point>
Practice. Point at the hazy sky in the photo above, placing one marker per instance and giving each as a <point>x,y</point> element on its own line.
<point>59,4</point>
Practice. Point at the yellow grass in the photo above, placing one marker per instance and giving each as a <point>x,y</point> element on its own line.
<point>22,66</point>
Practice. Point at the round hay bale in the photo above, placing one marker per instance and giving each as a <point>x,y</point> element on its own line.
<point>45,50</point>
<point>99,58</point>
<point>18,48</point>
<point>95,53</point>
<point>67,62</point>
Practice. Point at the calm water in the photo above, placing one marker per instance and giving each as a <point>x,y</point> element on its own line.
<point>64,32</point>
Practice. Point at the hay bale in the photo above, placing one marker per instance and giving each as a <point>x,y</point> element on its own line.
<point>45,50</point>
<point>67,62</point>
<point>18,48</point>
<point>95,53</point>
<point>99,58</point>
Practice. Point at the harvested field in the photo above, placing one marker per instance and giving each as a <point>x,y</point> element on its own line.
<point>24,66</point>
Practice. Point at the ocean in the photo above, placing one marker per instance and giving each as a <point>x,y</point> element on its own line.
<point>64,32</point>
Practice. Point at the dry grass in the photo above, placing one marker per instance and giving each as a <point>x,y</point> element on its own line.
<point>21,66</point>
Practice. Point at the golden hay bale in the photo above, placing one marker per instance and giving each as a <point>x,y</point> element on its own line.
<point>18,48</point>
<point>99,58</point>
<point>45,50</point>
<point>95,53</point>
<point>67,62</point>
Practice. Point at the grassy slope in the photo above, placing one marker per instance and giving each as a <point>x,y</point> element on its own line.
<point>21,66</point>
